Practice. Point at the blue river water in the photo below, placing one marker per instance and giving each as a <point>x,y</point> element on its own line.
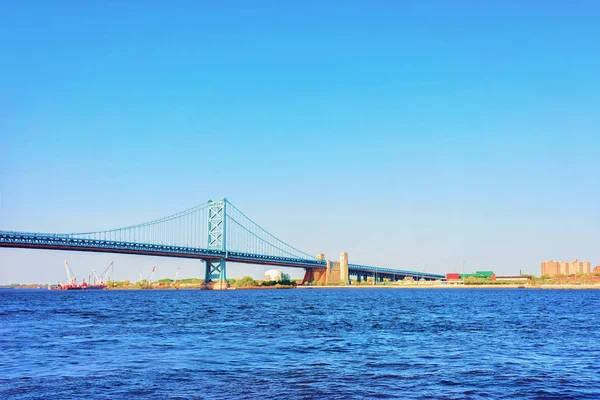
<point>311,344</point>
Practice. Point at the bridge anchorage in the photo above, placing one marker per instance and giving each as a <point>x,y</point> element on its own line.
<point>216,233</point>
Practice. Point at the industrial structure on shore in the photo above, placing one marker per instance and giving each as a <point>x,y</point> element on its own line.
<point>455,277</point>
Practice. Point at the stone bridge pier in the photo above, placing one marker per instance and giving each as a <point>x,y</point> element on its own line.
<point>335,272</point>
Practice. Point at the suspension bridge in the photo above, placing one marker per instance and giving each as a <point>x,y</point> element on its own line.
<point>216,233</point>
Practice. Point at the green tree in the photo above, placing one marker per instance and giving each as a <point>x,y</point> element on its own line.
<point>191,281</point>
<point>245,281</point>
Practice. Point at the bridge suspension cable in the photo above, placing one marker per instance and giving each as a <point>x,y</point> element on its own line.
<point>245,235</point>
<point>189,228</point>
<point>186,229</point>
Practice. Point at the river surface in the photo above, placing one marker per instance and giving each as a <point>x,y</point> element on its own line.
<point>312,344</point>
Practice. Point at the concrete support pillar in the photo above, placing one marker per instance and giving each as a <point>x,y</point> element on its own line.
<point>215,277</point>
<point>344,267</point>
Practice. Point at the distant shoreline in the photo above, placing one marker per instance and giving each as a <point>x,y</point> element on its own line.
<point>566,286</point>
<point>389,287</point>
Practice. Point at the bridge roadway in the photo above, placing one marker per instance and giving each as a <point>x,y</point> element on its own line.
<point>27,240</point>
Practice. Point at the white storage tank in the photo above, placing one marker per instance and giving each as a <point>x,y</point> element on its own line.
<point>273,275</point>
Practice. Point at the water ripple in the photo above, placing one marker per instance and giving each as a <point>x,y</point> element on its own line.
<point>306,344</point>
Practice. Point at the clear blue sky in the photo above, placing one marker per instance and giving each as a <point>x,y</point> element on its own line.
<point>401,132</point>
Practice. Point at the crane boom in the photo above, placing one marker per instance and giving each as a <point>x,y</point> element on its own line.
<point>176,277</point>
<point>71,278</point>
<point>149,276</point>
<point>96,277</point>
<point>103,274</point>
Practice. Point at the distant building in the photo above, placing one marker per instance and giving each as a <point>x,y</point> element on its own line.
<point>597,269</point>
<point>452,276</point>
<point>565,268</point>
<point>455,276</point>
<point>479,274</point>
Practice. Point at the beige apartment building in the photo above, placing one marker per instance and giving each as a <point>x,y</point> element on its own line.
<point>565,268</point>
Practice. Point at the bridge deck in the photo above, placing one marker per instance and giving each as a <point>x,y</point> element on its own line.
<point>65,242</point>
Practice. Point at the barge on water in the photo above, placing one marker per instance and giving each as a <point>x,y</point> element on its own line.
<point>71,283</point>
